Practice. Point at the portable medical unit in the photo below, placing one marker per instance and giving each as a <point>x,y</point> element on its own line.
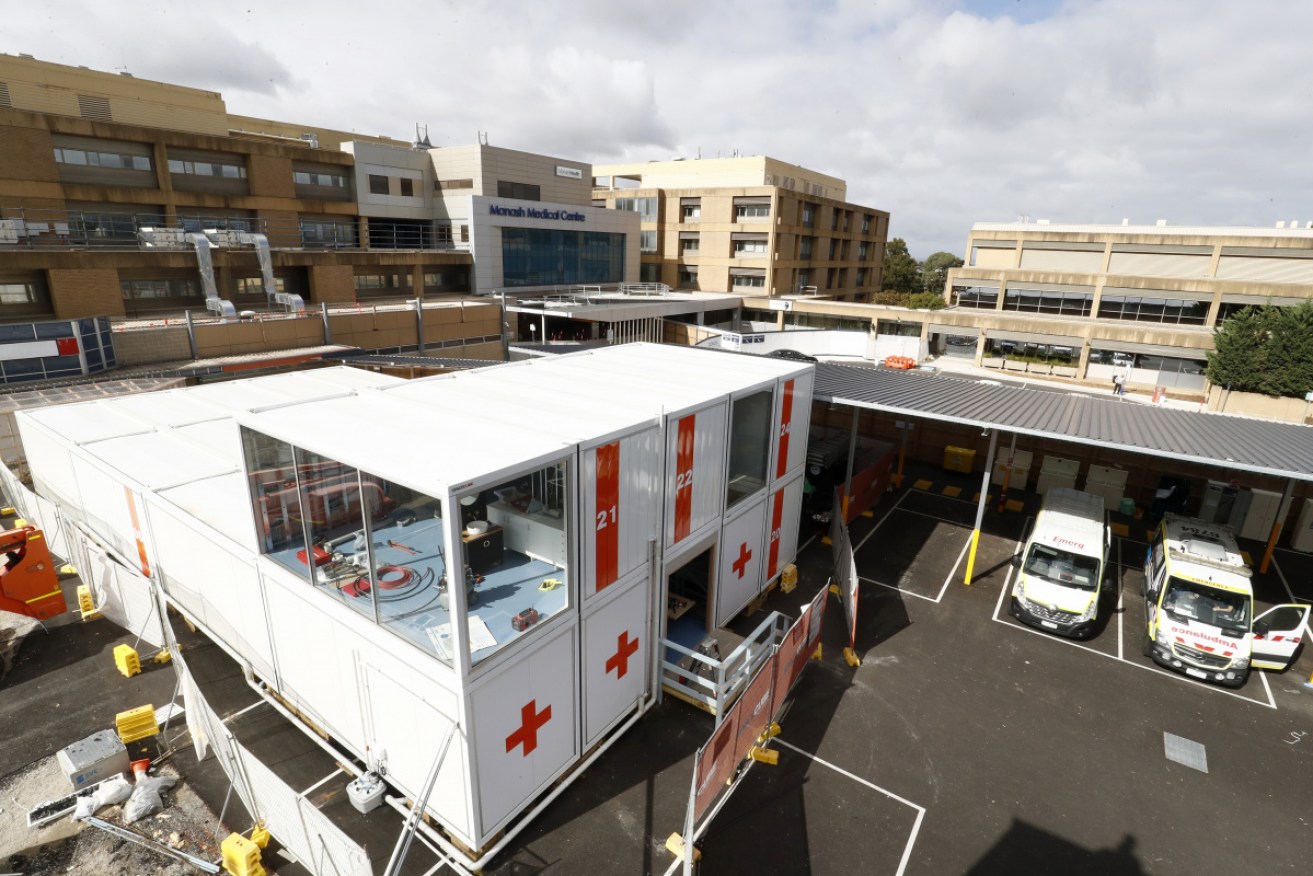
<point>488,551</point>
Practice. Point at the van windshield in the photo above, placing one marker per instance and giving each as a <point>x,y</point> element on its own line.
<point>1199,602</point>
<point>1063,567</point>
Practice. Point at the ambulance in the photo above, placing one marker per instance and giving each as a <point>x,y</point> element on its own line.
<point>1062,565</point>
<point>1199,606</point>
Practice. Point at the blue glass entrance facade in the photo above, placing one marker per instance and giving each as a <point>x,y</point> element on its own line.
<point>549,257</point>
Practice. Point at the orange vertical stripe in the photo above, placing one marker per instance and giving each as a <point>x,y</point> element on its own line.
<point>786,424</point>
<point>776,518</point>
<point>684,476</point>
<point>608,514</point>
<point>136,531</point>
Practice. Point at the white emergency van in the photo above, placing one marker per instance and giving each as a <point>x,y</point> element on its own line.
<point>1199,607</point>
<point>1062,566</point>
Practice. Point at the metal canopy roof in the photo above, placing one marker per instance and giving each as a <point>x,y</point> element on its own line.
<point>1259,446</point>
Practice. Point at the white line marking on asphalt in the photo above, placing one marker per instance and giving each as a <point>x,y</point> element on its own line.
<point>1120,606</point>
<point>920,810</point>
<point>953,571</point>
<point>881,523</point>
<point>1308,631</point>
<point>1271,701</point>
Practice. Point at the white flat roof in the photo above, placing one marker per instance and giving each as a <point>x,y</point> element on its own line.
<point>1165,230</point>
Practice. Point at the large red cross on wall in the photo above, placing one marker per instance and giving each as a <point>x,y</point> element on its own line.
<point>619,661</point>
<point>531,720</point>
<point>740,565</point>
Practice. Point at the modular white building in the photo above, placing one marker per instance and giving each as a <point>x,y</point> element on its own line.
<point>494,550</point>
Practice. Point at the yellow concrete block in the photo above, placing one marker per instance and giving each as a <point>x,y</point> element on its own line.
<point>851,657</point>
<point>922,485</point>
<point>951,492</point>
<point>764,755</point>
<point>125,656</point>
<point>789,578</point>
<point>1249,561</point>
<point>241,857</point>
<point>1120,530</point>
<point>675,845</point>
<point>87,608</point>
<point>1014,504</point>
<point>260,836</point>
<point>138,723</point>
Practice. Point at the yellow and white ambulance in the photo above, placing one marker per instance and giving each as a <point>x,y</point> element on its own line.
<point>1061,574</point>
<point>1199,606</point>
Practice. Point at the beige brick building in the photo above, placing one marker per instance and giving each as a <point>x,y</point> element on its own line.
<point>752,226</point>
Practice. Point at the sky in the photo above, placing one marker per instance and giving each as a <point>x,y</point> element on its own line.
<point>943,112</point>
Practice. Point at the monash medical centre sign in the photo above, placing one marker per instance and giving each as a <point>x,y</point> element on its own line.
<point>534,213</point>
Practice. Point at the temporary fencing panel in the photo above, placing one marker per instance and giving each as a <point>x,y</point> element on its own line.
<point>119,594</point>
<point>742,560</point>
<point>715,765</point>
<point>621,503</point>
<point>695,470</point>
<point>845,570</point>
<point>797,647</point>
<point>301,828</point>
<point>616,652</point>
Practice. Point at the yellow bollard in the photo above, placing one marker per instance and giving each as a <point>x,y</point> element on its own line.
<point>241,857</point>
<point>971,556</point>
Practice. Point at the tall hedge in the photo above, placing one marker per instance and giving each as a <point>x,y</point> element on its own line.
<point>1268,350</point>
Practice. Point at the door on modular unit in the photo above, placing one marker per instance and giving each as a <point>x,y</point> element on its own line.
<point>1277,634</point>
<point>690,597</point>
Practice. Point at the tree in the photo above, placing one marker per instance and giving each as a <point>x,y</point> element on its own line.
<point>1265,349</point>
<point>925,301</point>
<point>935,269</point>
<point>901,272</point>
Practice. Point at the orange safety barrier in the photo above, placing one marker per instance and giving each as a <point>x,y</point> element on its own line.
<point>900,363</point>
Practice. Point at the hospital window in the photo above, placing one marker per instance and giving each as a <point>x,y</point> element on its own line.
<point>646,208</point>
<point>378,184</point>
<point>749,444</point>
<point>407,187</point>
<point>647,242</point>
<point>514,539</point>
<point>275,500</point>
<point>518,191</point>
<point>688,277</point>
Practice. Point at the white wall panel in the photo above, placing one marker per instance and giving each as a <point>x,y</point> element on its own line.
<point>214,581</point>
<point>742,561</point>
<point>49,459</point>
<point>615,655</point>
<point>105,508</point>
<point>615,538</point>
<point>523,729</point>
<point>783,508</point>
<point>695,474</point>
<point>405,730</point>
<point>793,405</point>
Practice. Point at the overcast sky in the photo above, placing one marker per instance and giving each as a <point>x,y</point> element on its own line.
<point>943,112</point>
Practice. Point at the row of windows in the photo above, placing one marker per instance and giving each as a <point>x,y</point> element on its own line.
<point>381,185</point>
<point>548,257</point>
<point>157,288</point>
<point>20,294</point>
<point>92,158</point>
<point>1136,308</point>
<point>646,208</point>
<point>518,191</point>
<point>208,168</point>
<point>335,180</point>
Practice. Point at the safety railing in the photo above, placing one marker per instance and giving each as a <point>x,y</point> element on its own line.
<point>700,676</point>
<point>32,228</point>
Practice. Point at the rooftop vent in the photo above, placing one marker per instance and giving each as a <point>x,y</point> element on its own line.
<point>1160,223</point>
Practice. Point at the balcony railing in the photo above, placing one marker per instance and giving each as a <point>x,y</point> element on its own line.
<point>27,228</point>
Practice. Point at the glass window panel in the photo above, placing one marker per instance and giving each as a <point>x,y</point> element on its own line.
<point>407,541</point>
<point>516,557</point>
<point>749,444</point>
<point>275,500</point>
<point>54,330</point>
<point>335,514</point>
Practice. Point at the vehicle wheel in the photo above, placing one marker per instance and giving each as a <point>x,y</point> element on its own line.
<point>1146,645</point>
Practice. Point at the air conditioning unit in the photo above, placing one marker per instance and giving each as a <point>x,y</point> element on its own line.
<point>312,139</point>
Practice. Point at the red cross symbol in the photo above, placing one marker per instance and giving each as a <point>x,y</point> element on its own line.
<point>619,661</point>
<point>741,564</point>
<point>531,721</point>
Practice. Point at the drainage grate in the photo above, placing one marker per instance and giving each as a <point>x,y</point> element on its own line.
<point>1186,752</point>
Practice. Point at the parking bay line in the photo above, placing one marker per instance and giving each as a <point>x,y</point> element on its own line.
<point>1161,673</point>
<point>943,589</point>
<point>920,810</point>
